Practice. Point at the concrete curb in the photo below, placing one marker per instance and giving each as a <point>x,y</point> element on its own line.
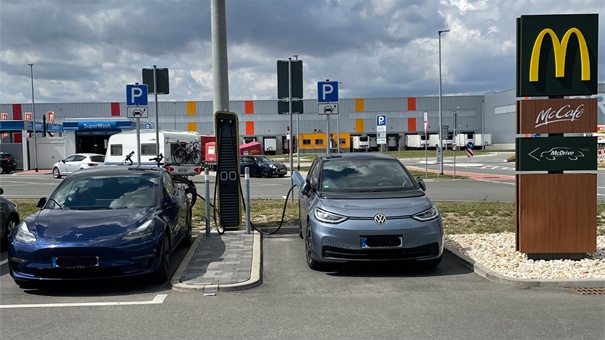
<point>487,273</point>
<point>255,273</point>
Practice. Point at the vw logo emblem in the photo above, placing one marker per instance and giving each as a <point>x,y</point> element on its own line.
<point>380,218</point>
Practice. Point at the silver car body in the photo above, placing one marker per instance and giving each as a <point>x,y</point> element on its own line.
<point>366,207</point>
<point>76,162</point>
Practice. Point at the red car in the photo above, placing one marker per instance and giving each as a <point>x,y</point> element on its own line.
<point>7,162</point>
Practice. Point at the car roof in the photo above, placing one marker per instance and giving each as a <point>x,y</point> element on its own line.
<point>357,155</point>
<point>118,171</point>
<point>87,154</point>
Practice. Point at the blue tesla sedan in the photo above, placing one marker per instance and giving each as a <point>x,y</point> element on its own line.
<point>366,207</point>
<point>102,222</point>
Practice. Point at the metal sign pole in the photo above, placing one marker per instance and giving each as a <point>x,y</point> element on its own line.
<point>157,120</point>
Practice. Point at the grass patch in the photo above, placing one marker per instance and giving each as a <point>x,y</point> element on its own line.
<point>458,217</point>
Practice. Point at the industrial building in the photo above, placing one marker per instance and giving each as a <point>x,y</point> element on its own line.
<point>86,127</point>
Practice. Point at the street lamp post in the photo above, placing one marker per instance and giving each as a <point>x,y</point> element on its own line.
<point>31,72</point>
<point>440,146</point>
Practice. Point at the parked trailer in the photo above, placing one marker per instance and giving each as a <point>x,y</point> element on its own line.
<point>360,143</point>
<point>270,145</point>
<point>125,143</point>
<point>482,140</point>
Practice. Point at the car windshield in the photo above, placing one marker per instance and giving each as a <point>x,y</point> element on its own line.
<point>340,174</point>
<point>101,192</point>
<point>264,159</point>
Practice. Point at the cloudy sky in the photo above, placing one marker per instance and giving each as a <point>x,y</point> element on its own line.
<point>89,50</point>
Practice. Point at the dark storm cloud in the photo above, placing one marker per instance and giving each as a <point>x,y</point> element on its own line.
<point>89,50</point>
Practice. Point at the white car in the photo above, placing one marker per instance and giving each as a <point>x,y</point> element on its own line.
<point>76,162</point>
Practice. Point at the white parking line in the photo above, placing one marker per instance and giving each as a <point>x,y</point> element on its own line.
<point>159,299</point>
<point>3,262</point>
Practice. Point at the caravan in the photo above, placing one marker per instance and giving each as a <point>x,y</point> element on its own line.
<point>181,150</point>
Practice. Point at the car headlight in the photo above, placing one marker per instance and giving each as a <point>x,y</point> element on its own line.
<point>272,166</point>
<point>145,230</point>
<point>328,217</point>
<point>23,234</point>
<point>427,215</point>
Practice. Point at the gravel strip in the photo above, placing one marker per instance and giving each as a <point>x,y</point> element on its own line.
<point>497,253</point>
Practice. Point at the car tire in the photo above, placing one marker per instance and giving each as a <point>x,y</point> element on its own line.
<point>300,228</point>
<point>56,173</point>
<point>161,274</point>
<point>11,223</point>
<point>311,261</point>
<point>188,239</point>
<point>264,172</point>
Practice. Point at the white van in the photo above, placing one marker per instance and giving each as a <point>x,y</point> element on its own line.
<point>124,144</point>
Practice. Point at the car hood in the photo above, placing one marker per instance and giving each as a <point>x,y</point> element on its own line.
<point>366,204</point>
<point>87,225</point>
<point>277,164</point>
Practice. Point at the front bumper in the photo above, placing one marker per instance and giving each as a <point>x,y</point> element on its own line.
<point>363,240</point>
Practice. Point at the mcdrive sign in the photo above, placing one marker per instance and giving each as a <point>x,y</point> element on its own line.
<point>557,55</point>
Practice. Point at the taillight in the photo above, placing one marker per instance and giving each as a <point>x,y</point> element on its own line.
<point>92,164</point>
<point>169,168</point>
<point>198,170</point>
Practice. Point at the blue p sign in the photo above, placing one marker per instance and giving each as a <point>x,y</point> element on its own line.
<point>381,120</point>
<point>327,92</point>
<point>136,94</point>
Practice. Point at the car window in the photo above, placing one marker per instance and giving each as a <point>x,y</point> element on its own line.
<point>78,158</point>
<point>70,158</point>
<point>247,159</point>
<point>99,159</point>
<point>101,192</point>
<point>366,174</point>
<point>264,159</point>
<point>168,185</point>
<point>313,174</point>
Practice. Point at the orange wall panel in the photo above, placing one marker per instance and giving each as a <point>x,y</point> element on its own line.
<point>359,125</point>
<point>249,128</point>
<point>249,107</point>
<point>191,126</point>
<point>359,105</point>
<point>191,109</point>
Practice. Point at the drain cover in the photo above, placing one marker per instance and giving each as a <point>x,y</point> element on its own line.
<point>590,290</point>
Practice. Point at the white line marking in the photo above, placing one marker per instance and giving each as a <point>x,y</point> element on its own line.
<point>159,299</point>
<point>3,262</point>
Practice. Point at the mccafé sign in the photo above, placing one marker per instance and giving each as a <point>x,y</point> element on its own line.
<point>557,55</point>
<point>557,115</point>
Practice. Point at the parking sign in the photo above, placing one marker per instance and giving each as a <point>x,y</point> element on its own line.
<point>381,120</point>
<point>327,91</point>
<point>136,95</point>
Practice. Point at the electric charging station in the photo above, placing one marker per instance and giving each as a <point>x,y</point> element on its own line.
<point>228,169</point>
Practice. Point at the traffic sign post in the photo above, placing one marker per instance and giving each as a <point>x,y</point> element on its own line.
<point>381,130</point>
<point>136,95</point>
<point>426,146</point>
<point>327,97</point>
<point>469,150</point>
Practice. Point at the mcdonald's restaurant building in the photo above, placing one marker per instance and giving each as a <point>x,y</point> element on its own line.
<point>86,127</point>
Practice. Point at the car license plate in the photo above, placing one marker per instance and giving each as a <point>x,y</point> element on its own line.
<point>75,262</point>
<point>386,241</point>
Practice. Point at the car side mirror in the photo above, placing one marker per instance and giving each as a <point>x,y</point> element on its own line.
<point>300,182</point>
<point>41,202</point>
<point>421,183</point>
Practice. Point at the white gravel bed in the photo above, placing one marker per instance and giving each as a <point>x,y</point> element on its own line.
<point>497,253</point>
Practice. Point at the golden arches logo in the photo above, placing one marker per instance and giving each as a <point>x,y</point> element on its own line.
<point>560,51</point>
